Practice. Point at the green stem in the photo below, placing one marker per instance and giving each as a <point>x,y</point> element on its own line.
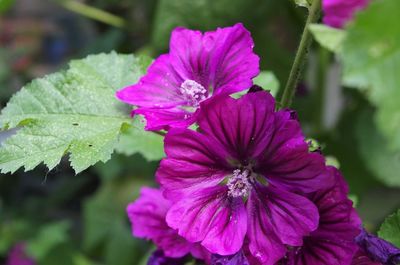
<point>301,55</point>
<point>93,13</point>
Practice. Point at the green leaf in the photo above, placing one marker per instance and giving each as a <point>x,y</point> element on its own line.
<point>328,37</point>
<point>134,139</point>
<point>381,161</point>
<point>371,58</point>
<point>390,229</point>
<point>268,81</point>
<point>73,112</point>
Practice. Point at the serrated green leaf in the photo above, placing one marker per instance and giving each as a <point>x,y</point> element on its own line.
<point>74,112</point>
<point>268,81</point>
<point>390,229</point>
<point>134,139</point>
<point>328,37</point>
<point>371,58</point>
<point>382,162</point>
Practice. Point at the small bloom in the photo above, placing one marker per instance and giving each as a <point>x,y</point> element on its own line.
<point>378,249</point>
<point>197,67</point>
<point>237,177</point>
<point>18,256</point>
<point>235,259</point>
<point>333,242</point>
<point>147,215</point>
<point>338,12</point>
<point>158,258</point>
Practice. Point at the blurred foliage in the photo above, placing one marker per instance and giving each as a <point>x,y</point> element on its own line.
<point>371,57</point>
<point>81,220</point>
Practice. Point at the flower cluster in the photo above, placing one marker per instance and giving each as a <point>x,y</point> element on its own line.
<point>243,187</point>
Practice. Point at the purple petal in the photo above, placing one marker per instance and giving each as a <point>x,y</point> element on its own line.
<point>243,127</point>
<point>264,244</point>
<point>235,259</point>
<point>287,163</point>
<point>210,217</point>
<point>362,259</point>
<point>378,249</point>
<point>338,12</point>
<point>18,256</point>
<point>292,216</point>
<point>163,119</point>
<point>193,161</point>
<point>333,242</point>
<point>222,60</point>
<point>147,215</point>
<point>158,258</point>
<point>159,88</point>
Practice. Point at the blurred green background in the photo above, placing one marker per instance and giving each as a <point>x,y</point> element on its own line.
<point>80,220</point>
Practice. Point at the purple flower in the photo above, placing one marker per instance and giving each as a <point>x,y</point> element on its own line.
<point>333,242</point>
<point>338,12</point>
<point>235,259</point>
<point>360,258</point>
<point>147,215</point>
<point>197,67</point>
<point>378,249</point>
<point>158,258</point>
<point>18,256</point>
<point>237,176</point>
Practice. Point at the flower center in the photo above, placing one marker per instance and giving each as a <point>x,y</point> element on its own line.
<point>193,92</point>
<point>239,184</point>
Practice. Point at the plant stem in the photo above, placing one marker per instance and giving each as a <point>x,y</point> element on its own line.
<point>93,13</point>
<point>301,55</point>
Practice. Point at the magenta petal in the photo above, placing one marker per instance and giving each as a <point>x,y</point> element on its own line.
<point>193,162</point>
<point>159,88</point>
<point>292,216</point>
<point>210,217</point>
<point>159,119</point>
<point>244,127</point>
<point>264,245</point>
<point>362,259</point>
<point>147,215</point>
<point>339,12</point>
<point>222,60</point>
<point>287,162</point>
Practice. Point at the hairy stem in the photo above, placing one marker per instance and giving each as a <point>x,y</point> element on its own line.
<point>301,55</point>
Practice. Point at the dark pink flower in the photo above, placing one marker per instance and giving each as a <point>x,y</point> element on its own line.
<point>197,67</point>
<point>147,215</point>
<point>238,176</point>
<point>333,242</point>
<point>18,256</point>
<point>338,12</point>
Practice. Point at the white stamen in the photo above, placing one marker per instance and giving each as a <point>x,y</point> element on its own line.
<point>193,91</point>
<point>239,184</point>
